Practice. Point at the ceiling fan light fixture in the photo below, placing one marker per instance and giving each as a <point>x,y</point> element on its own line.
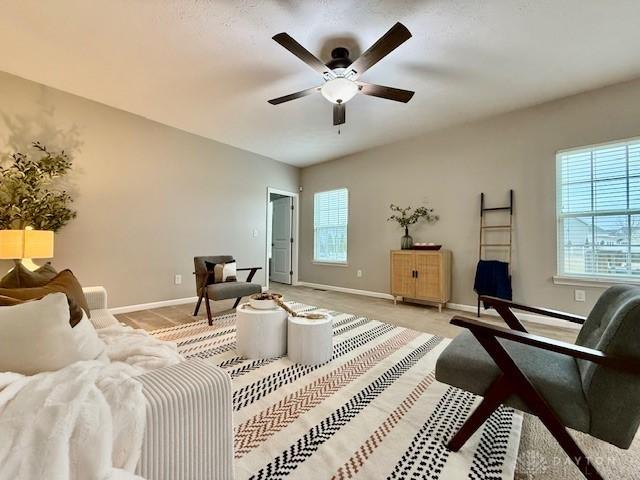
<point>339,90</point>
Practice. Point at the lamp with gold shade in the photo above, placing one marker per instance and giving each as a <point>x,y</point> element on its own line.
<point>23,245</point>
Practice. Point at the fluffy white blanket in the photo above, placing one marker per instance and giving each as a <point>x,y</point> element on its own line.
<point>85,421</point>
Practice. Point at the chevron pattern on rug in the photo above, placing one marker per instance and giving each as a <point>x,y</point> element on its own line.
<point>258,429</point>
<point>374,411</point>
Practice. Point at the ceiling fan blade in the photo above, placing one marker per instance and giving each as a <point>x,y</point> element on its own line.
<point>396,36</point>
<point>288,42</point>
<point>293,96</point>
<point>390,93</point>
<point>338,114</point>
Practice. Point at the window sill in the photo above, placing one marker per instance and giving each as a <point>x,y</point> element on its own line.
<point>331,264</point>
<point>598,282</point>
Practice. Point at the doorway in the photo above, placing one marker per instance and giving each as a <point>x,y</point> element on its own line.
<point>282,233</point>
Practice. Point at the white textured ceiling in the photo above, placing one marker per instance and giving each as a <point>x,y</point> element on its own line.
<point>209,67</point>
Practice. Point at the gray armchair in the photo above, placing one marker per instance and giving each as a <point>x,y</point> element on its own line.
<point>206,290</point>
<point>592,386</point>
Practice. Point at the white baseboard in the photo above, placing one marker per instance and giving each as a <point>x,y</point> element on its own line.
<point>527,317</point>
<point>149,306</point>
<point>354,291</point>
<point>163,303</point>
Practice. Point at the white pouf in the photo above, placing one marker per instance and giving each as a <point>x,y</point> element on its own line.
<point>310,341</point>
<point>260,333</point>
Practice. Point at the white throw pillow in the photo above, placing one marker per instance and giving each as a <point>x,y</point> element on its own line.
<point>229,272</point>
<point>89,345</point>
<point>36,336</point>
<point>225,272</point>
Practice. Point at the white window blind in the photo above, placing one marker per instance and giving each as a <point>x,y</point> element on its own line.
<point>330,220</point>
<point>598,210</point>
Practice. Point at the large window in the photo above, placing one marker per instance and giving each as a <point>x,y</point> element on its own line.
<point>598,210</point>
<point>330,219</point>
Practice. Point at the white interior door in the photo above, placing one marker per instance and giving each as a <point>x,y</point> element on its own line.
<point>281,235</point>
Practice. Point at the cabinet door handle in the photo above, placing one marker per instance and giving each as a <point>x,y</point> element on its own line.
<point>416,273</point>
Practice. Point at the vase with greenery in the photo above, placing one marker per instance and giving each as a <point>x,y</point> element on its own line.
<point>408,216</point>
<point>32,190</point>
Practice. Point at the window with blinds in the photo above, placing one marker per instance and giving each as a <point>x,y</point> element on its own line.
<point>598,210</point>
<point>330,220</point>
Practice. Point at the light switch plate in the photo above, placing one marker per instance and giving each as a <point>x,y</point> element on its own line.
<point>359,273</point>
<point>580,295</point>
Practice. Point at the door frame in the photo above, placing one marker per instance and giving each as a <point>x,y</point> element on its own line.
<point>294,229</point>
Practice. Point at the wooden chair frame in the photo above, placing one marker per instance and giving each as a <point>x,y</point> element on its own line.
<point>204,291</point>
<point>513,381</point>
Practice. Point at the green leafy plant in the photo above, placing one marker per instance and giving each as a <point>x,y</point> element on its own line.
<point>406,217</point>
<point>31,194</point>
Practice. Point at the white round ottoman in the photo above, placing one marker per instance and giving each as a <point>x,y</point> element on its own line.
<point>310,341</point>
<point>260,333</point>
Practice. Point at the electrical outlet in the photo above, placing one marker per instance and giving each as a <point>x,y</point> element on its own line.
<point>359,274</point>
<point>177,279</point>
<point>580,295</point>
<point>255,232</point>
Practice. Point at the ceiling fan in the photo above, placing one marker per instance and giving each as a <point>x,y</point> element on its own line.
<point>341,74</point>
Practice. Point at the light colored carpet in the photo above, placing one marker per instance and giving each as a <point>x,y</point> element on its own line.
<point>374,411</point>
<point>541,458</point>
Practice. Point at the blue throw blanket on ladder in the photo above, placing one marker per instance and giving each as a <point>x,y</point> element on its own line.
<point>493,279</point>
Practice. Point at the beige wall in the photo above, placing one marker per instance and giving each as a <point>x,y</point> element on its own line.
<point>149,197</point>
<point>447,170</point>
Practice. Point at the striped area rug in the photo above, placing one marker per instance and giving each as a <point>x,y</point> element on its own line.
<point>374,411</point>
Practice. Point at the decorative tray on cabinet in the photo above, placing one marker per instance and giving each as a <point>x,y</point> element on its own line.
<point>426,247</point>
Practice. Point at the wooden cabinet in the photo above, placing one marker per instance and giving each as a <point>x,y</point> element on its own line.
<point>421,275</point>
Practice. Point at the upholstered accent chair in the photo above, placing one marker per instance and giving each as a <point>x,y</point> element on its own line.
<point>207,290</point>
<point>592,386</point>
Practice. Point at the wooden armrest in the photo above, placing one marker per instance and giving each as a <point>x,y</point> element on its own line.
<point>237,270</point>
<point>208,274</point>
<point>252,272</point>
<point>496,302</point>
<point>629,365</point>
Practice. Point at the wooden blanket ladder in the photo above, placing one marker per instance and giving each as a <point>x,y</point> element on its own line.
<point>485,246</point>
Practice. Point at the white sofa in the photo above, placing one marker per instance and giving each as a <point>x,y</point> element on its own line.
<point>189,432</point>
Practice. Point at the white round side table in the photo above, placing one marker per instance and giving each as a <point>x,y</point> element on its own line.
<point>310,342</point>
<point>260,333</point>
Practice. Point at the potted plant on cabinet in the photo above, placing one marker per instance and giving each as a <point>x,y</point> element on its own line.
<point>406,217</point>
